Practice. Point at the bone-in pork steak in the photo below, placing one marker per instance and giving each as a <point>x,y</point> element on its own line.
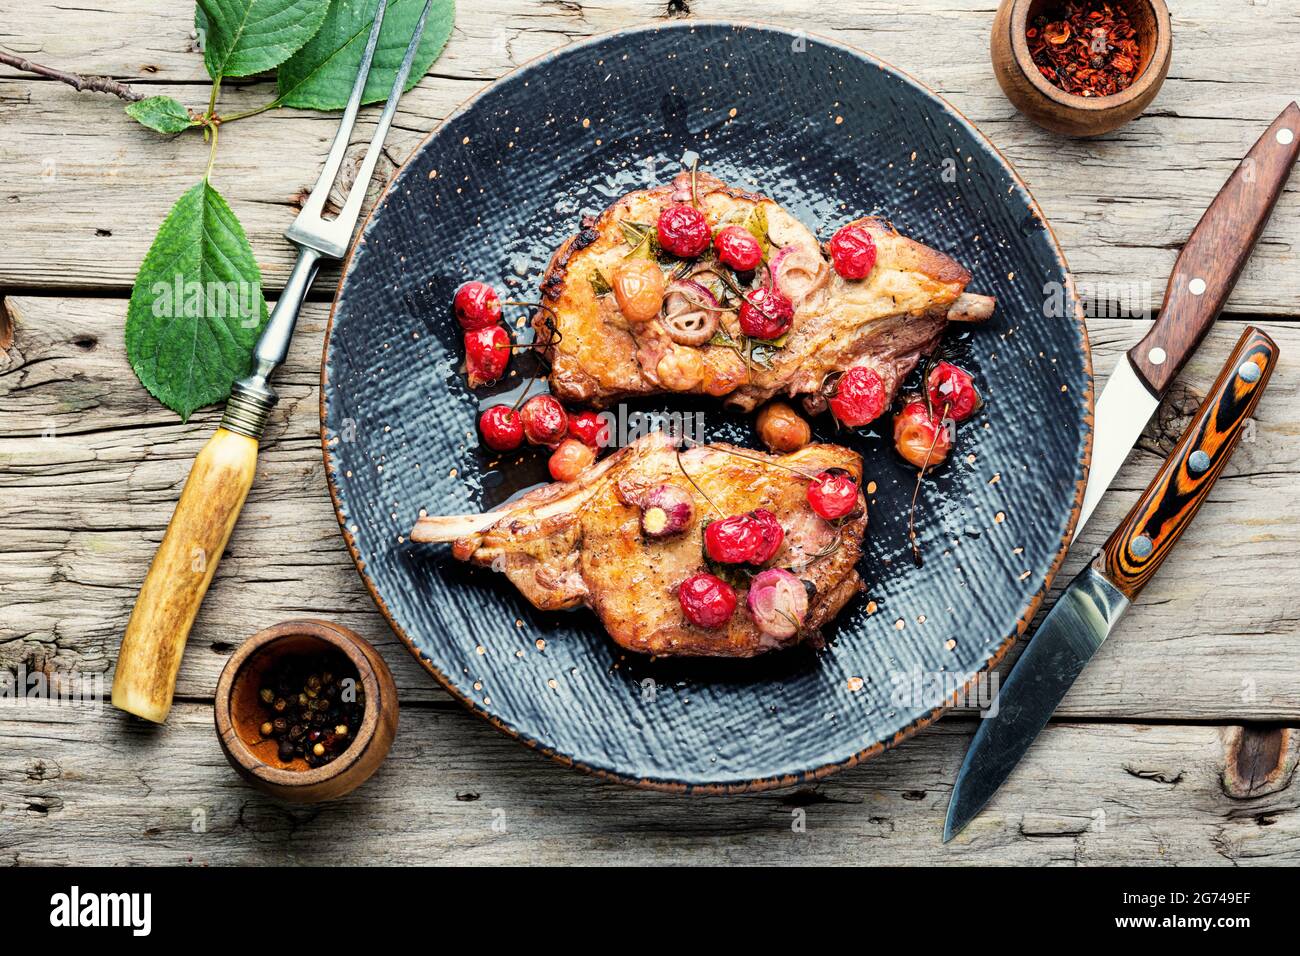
<point>580,542</point>
<point>886,321</point>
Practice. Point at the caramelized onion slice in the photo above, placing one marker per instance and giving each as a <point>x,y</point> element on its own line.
<point>690,313</point>
<point>798,272</point>
<point>778,602</point>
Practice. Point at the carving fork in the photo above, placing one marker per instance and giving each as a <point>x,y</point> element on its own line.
<point>222,473</point>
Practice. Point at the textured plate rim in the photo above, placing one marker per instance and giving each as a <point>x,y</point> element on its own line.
<point>821,771</point>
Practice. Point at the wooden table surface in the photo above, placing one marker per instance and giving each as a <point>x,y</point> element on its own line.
<point>1177,745</point>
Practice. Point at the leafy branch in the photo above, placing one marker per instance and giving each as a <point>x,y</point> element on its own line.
<point>197,305</point>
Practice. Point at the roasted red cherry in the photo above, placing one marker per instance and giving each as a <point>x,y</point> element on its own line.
<point>477,306</point>
<point>771,534</point>
<point>921,437</point>
<point>734,540</point>
<point>766,314</point>
<point>707,601</point>
<point>953,388</point>
<point>570,460</point>
<point>683,231</point>
<point>502,428</point>
<point>590,429</point>
<point>859,397</point>
<point>487,353</point>
<point>737,248</point>
<point>853,252</point>
<point>833,494</point>
<point>545,420</point>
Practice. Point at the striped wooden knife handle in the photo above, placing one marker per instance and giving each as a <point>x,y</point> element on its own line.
<point>1146,535</point>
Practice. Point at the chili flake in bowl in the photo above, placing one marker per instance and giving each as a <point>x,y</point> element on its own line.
<point>1088,48</point>
<point>1081,67</point>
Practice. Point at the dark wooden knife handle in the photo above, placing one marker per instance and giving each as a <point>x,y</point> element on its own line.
<point>1147,534</point>
<point>1215,253</point>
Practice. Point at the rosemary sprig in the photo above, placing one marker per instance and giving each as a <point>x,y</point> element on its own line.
<point>682,467</point>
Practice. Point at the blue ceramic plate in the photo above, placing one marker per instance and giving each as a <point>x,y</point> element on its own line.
<point>832,134</point>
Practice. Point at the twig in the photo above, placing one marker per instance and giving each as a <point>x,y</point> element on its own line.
<point>93,84</point>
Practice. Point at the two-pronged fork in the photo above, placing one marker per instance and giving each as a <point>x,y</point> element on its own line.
<point>223,472</point>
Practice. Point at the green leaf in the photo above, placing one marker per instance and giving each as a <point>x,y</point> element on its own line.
<point>161,114</point>
<point>197,306</point>
<point>242,37</point>
<point>756,223</point>
<point>321,74</point>
<point>599,284</point>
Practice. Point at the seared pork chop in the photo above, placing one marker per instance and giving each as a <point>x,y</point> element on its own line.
<point>887,321</point>
<point>575,543</point>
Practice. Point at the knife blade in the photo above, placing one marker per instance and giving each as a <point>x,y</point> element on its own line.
<point>1204,274</point>
<point>1087,611</point>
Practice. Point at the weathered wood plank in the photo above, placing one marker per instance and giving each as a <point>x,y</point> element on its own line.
<point>99,789</point>
<point>1210,638</point>
<point>1121,205</point>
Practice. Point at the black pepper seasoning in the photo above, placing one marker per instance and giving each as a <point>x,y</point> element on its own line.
<point>314,707</point>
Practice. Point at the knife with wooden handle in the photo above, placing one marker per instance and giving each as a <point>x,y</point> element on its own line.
<point>1204,275</point>
<point>1094,601</point>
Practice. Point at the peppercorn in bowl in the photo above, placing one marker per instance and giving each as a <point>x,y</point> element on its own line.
<point>306,710</point>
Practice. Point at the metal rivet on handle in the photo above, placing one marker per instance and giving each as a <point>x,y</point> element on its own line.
<point>1157,356</point>
<point>1285,136</point>
<point>1196,286</point>
<point>1141,546</point>
<point>1248,371</point>
<point>1198,462</point>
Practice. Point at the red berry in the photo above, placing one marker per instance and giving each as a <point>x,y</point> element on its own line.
<point>683,231</point>
<point>833,494</point>
<point>501,427</point>
<point>707,601</point>
<point>859,397</point>
<point>921,438</point>
<point>476,306</point>
<point>766,314</point>
<point>545,420</point>
<point>590,429</point>
<point>953,388</point>
<point>853,252</point>
<point>738,248</point>
<point>487,353</point>
<point>771,534</point>
<point>570,460</point>
<point>734,540</point>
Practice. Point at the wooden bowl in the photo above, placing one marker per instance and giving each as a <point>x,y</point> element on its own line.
<point>1053,108</point>
<point>239,713</point>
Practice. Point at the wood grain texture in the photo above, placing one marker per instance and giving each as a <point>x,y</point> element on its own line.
<point>1136,549</point>
<point>71,411</point>
<point>95,185</point>
<point>86,189</point>
<point>101,789</point>
<point>1217,251</point>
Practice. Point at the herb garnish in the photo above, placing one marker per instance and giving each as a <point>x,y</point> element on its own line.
<point>197,305</point>
<point>756,225</point>
<point>599,284</point>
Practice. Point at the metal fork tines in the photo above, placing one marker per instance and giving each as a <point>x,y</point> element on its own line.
<point>331,237</point>
<point>316,237</point>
